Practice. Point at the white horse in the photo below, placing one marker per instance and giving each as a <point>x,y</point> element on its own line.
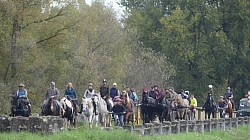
<point>105,116</point>
<point>87,108</point>
<point>68,111</point>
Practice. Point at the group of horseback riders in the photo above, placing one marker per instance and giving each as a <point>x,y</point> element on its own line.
<point>157,96</point>
<point>225,104</point>
<point>53,93</point>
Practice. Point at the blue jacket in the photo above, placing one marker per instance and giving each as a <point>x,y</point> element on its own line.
<point>22,93</point>
<point>70,92</point>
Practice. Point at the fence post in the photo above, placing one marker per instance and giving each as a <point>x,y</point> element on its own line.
<point>199,127</point>
<point>167,127</point>
<point>207,125</point>
<point>228,123</point>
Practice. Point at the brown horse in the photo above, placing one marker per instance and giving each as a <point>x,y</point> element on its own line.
<point>129,105</point>
<point>229,108</point>
<point>181,106</point>
<point>51,108</point>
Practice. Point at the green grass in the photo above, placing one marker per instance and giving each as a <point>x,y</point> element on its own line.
<point>241,133</point>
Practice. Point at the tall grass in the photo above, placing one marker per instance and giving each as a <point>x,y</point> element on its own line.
<point>241,133</point>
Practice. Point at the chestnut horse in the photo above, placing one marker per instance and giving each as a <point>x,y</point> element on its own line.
<point>51,108</point>
<point>229,108</point>
<point>129,105</point>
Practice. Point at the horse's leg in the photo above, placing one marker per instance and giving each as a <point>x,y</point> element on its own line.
<point>206,115</point>
<point>127,115</point>
<point>209,113</point>
<point>90,120</point>
<point>96,120</point>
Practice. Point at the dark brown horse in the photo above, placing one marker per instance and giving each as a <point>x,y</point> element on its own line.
<point>20,106</point>
<point>51,108</point>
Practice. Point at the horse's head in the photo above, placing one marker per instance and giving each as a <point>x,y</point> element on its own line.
<point>95,100</point>
<point>144,97</point>
<point>51,105</point>
<point>66,103</point>
<point>86,104</point>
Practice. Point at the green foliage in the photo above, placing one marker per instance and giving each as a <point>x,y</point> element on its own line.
<point>41,43</point>
<point>206,41</point>
<point>240,133</point>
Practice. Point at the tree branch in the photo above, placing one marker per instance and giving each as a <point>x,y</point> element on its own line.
<point>58,32</point>
<point>47,19</point>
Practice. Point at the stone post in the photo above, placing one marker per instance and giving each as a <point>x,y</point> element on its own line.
<point>184,126</point>
<point>199,127</point>
<point>175,127</point>
<point>228,123</point>
<point>158,128</point>
<point>222,124</point>
<point>234,122</point>
<point>207,125</point>
<point>241,120</point>
<point>166,128</point>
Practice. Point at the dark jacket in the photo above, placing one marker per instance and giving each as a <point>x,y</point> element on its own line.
<point>222,104</point>
<point>152,94</point>
<point>113,92</point>
<point>104,91</point>
<point>118,109</point>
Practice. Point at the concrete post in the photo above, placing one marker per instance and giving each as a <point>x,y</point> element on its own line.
<point>228,123</point>
<point>199,127</point>
<point>166,128</point>
<point>222,124</point>
<point>241,120</point>
<point>184,126</point>
<point>207,125</point>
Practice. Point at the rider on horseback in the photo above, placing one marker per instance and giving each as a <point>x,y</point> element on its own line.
<point>70,91</point>
<point>152,92</point>
<point>210,105</point>
<point>104,91</point>
<point>90,93</point>
<point>114,92</point>
<point>22,95</point>
<point>54,93</point>
<point>229,95</point>
<point>222,105</point>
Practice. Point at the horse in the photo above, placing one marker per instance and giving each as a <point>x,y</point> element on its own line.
<point>69,111</point>
<point>209,107</point>
<point>20,106</point>
<point>166,113</point>
<point>148,106</point>
<point>229,108</point>
<point>51,108</point>
<point>182,106</point>
<point>89,110</point>
<point>129,105</point>
<point>104,115</point>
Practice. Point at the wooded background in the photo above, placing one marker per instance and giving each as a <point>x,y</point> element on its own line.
<point>185,44</point>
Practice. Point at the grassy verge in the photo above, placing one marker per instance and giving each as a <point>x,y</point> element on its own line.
<point>241,133</point>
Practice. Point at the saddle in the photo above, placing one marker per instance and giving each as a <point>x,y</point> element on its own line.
<point>24,100</point>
